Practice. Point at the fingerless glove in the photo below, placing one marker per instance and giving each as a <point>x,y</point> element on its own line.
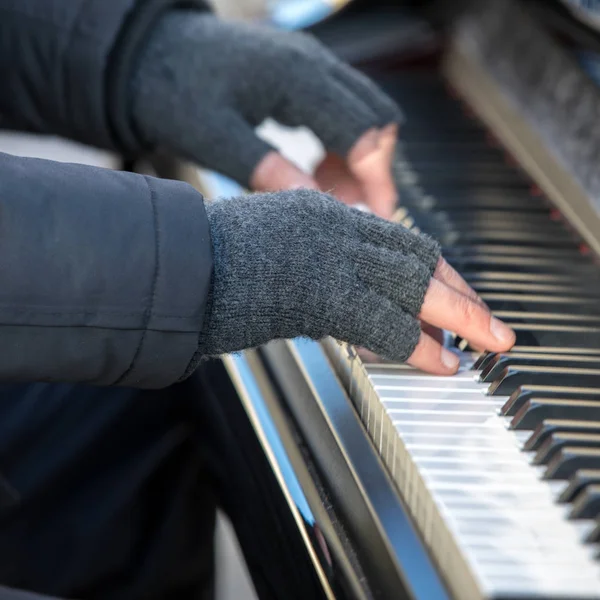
<point>300,263</point>
<point>203,84</point>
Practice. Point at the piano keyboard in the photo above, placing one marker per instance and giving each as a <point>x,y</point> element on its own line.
<point>500,464</point>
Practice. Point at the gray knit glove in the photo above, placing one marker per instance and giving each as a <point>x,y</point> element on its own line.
<point>300,263</point>
<point>202,85</point>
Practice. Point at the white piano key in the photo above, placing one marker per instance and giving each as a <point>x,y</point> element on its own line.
<point>466,416</point>
<point>459,382</point>
<point>492,523</point>
<point>525,548</point>
<point>430,391</point>
<point>474,435</point>
<point>477,475</point>
<point>488,407</point>
<point>527,590</point>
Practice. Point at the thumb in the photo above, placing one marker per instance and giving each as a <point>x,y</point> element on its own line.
<point>274,173</point>
<point>370,162</point>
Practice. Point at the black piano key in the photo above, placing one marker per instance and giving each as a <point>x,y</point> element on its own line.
<point>514,237</point>
<point>549,426</point>
<point>483,360</point>
<point>548,318</point>
<point>515,251</point>
<point>494,216</point>
<point>594,536</point>
<point>457,153</point>
<point>587,503</point>
<point>444,137</point>
<point>548,339</point>
<point>494,364</point>
<point>525,393</point>
<point>542,304</point>
<point>551,350</point>
<point>533,412</point>
<point>559,440</point>
<point>456,128</point>
<point>515,288</point>
<point>570,250</point>
<point>474,228</point>
<point>430,164</point>
<point>446,199</point>
<point>524,348</point>
<point>579,480</point>
<point>565,279</point>
<point>437,174</point>
<point>523,193</point>
<point>526,264</point>
<point>494,220</point>
<point>556,336</point>
<point>507,237</point>
<point>444,133</point>
<point>514,377</point>
<point>569,460</point>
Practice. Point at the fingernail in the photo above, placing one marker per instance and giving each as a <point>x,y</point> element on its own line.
<point>501,332</point>
<point>390,130</point>
<point>450,360</point>
<point>371,140</point>
<point>365,146</point>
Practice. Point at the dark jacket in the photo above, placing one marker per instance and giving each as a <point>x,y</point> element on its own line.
<point>103,275</point>
<point>103,280</point>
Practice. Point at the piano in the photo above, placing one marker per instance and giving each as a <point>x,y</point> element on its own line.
<point>486,485</point>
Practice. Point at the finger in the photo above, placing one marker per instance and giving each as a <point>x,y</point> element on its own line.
<point>334,177</point>
<point>430,356</point>
<point>433,332</point>
<point>368,357</point>
<point>446,308</point>
<point>275,173</point>
<point>382,105</point>
<point>446,274</point>
<point>438,335</point>
<point>228,146</point>
<point>318,101</point>
<point>347,126</point>
<point>370,162</point>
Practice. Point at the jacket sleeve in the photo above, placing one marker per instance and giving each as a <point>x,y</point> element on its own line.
<point>65,66</point>
<point>103,275</point>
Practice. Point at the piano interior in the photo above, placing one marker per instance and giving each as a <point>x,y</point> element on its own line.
<point>485,485</point>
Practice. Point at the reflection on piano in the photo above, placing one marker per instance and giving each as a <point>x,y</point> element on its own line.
<point>485,485</point>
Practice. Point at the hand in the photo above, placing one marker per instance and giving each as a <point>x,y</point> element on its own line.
<point>364,177</point>
<point>204,84</point>
<point>299,263</point>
